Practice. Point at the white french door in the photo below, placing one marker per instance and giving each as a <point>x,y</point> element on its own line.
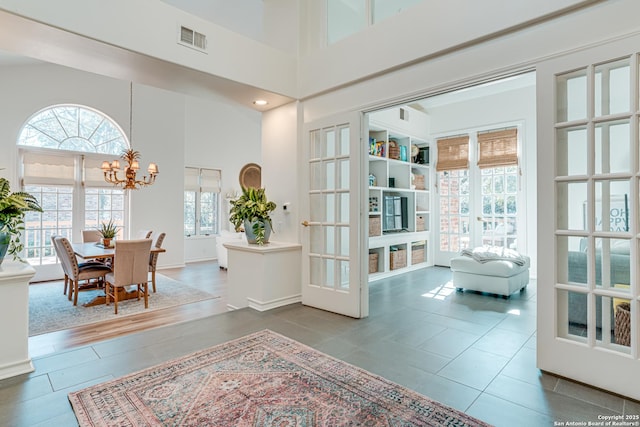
<point>588,224</point>
<point>478,207</point>
<point>333,242</point>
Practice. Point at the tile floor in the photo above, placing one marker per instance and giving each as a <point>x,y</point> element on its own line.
<point>473,352</point>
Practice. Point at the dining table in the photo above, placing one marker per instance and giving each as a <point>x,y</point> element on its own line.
<point>92,251</point>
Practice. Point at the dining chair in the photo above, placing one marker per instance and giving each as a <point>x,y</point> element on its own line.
<point>89,236</point>
<point>130,267</point>
<point>75,272</point>
<point>144,234</point>
<point>153,259</point>
<point>58,250</point>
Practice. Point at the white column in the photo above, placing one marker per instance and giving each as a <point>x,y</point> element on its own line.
<point>14,316</point>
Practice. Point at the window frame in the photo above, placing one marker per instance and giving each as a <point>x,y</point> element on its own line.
<point>81,136</point>
<point>195,178</point>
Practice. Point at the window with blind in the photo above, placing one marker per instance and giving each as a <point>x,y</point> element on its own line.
<point>453,153</point>
<point>478,190</point>
<point>498,148</point>
<point>61,151</point>
<point>201,201</point>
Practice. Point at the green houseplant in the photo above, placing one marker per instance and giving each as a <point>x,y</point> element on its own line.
<point>13,207</point>
<point>108,231</point>
<point>252,211</point>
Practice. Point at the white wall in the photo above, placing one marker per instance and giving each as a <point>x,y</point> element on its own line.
<point>158,133</point>
<point>170,129</point>
<point>224,136</point>
<point>514,51</point>
<point>426,30</point>
<point>280,159</point>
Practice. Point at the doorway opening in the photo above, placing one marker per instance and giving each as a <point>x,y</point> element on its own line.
<point>436,181</point>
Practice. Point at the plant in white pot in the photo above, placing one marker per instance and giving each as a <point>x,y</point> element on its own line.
<point>13,207</point>
<point>252,211</point>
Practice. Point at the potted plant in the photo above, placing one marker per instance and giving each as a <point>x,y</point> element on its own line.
<point>108,231</point>
<point>13,207</point>
<point>252,210</point>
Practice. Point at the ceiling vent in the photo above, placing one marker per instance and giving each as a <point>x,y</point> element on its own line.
<point>194,39</point>
<point>404,114</point>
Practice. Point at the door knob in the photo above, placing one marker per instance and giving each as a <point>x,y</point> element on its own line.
<point>305,223</point>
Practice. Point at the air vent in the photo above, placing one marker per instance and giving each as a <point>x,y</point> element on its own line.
<point>193,38</point>
<point>404,114</point>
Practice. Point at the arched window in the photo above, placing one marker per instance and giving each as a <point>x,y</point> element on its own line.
<point>61,149</point>
<point>73,128</point>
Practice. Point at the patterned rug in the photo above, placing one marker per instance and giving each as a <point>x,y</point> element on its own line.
<point>50,310</point>
<point>263,379</point>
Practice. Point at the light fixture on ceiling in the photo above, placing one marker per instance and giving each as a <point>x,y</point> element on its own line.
<point>132,157</point>
<point>260,102</point>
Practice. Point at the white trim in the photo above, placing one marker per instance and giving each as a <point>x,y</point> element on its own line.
<point>275,303</point>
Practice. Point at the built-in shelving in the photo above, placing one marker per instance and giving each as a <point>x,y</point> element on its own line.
<point>399,175</point>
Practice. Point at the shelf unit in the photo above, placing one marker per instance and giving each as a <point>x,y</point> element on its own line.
<point>393,171</point>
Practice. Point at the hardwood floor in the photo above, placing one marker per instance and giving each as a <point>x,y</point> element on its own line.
<point>203,275</point>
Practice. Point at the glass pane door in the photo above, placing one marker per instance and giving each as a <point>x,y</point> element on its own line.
<point>588,182</point>
<point>332,249</point>
<point>453,193</point>
<point>477,207</point>
<point>499,221</point>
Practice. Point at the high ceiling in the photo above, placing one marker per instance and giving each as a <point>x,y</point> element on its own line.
<point>23,41</point>
<point>147,70</point>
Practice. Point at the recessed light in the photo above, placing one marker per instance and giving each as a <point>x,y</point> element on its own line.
<point>260,102</point>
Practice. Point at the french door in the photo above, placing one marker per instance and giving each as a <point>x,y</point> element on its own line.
<point>477,207</point>
<point>588,225</point>
<point>333,268</point>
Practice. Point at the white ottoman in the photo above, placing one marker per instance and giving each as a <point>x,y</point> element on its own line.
<point>499,277</point>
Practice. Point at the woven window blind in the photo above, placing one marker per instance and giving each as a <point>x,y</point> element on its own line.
<point>498,148</point>
<point>453,153</point>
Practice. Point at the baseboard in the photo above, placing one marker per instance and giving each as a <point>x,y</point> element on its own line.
<point>18,368</point>
<point>269,305</point>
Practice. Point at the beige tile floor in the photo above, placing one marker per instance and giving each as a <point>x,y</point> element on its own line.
<point>473,352</point>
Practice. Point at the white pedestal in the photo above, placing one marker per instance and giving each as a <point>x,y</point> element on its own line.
<point>263,277</point>
<point>14,316</point>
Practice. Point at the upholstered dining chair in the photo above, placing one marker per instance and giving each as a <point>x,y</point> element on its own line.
<point>144,234</point>
<point>130,267</point>
<point>58,250</point>
<point>153,259</point>
<point>60,253</point>
<point>73,271</point>
<point>89,236</point>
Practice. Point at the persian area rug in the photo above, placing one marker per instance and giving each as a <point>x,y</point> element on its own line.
<point>263,379</point>
<point>50,310</point>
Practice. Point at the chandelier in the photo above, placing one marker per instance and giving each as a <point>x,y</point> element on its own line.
<point>129,181</point>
